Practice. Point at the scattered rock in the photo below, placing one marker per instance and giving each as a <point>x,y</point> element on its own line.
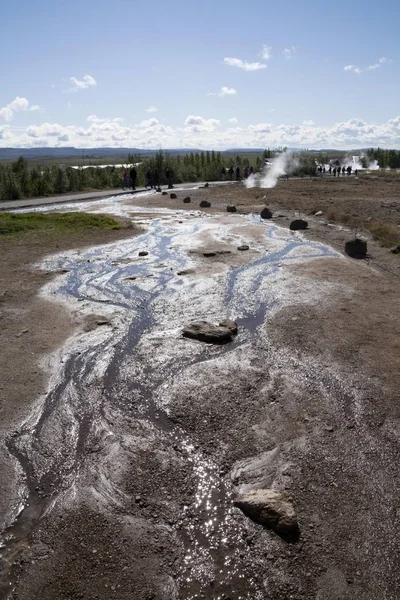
<point>205,204</point>
<point>173,196</point>
<point>208,332</point>
<point>356,248</point>
<point>187,200</point>
<point>298,224</point>
<point>186,272</point>
<point>206,185</point>
<point>243,247</point>
<point>164,193</point>
<point>318,213</point>
<point>231,208</point>
<point>269,508</point>
<point>229,324</point>
<point>143,253</point>
<point>209,253</point>
<point>396,249</point>
<point>266,213</point>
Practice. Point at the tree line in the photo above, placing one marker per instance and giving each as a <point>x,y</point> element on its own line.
<point>19,180</point>
<point>385,158</point>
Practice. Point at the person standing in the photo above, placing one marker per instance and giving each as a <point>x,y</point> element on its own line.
<point>246,172</point>
<point>156,180</point>
<point>251,171</point>
<point>230,173</point>
<point>149,182</point>
<point>125,180</point>
<point>170,177</point>
<point>238,173</point>
<point>132,175</point>
<point>223,173</point>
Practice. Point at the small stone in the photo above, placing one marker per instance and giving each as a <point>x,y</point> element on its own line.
<point>209,253</point>
<point>231,208</point>
<point>356,248</point>
<point>269,508</point>
<point>266,213</point>
<point>208,332</point>
<point>243,247</point>
<point>298,224</point>
<point>143,253</point>
<point>164,194</point>
<point>173,196</point>
<point>205,204</point>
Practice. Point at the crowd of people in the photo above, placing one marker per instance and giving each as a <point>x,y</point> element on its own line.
<point>335,171</point>
<point>228,173</point>
<point>152,179</point>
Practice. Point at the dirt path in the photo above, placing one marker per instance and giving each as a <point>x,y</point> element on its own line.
<point>155,434</point>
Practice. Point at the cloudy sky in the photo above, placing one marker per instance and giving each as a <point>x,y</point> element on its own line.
<point>209,74</point>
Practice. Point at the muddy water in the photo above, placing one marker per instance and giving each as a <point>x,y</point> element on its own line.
<point>135,354</point>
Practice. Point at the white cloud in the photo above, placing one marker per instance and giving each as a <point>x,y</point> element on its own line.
<point>357,70</point>
<point>233,120</point>
<point>82,84</point>
<point>151,109</point>
<point>224,91</point>
<point>309,122</point>
<point>289,52</point>
<point>202,132</point>
<point>17,105</point>
<point>242,64</point>
<point>266,52</point>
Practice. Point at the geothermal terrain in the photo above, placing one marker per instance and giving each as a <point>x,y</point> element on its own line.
<point>126,445</point>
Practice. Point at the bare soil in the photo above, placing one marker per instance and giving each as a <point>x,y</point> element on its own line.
<point>332,443</point>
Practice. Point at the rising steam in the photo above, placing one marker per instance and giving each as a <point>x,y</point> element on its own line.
<point>281,165</point>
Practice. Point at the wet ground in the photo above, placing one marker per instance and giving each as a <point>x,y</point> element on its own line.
<point>131,460</point>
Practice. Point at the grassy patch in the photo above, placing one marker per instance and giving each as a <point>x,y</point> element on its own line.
<point>386,234</point>
<point>16,223</point>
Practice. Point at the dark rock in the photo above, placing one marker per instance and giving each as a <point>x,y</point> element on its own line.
<point>298,224</point>
<point>187,200</point>
<point>206,185</point>
<point>231,208</point>
<point>266,213</point>
<point>356,248</point>
<point>229,324</point>
<point>396,250</point>
<point>243,247</point>
<point>209,253</point>
<point>207,332</point>
<point>165,193</point>
<point>158,189</point>
<point>143,253</point>
<point>205,204</point>
<point>269,508</point>
<point>172,196</point>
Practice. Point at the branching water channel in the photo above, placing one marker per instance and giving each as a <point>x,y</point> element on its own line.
<point>141,296</point>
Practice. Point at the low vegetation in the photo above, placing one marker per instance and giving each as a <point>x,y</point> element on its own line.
<point>386,234</point>
<point>17,223</point>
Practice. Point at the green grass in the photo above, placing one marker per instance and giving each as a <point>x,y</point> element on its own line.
<point>16,223</point>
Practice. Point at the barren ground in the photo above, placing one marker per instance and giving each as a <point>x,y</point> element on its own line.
<point>306,400</point>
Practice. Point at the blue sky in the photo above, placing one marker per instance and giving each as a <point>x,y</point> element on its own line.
<point>217,73</point>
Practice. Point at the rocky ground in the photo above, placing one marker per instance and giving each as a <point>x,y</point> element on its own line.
<point>138,461</point>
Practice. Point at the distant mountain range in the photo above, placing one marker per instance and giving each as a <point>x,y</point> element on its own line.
<point>60,153</point>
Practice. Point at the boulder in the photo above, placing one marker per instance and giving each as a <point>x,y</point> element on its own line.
<point>231,208</point>
<point>206,185</point>
<point>396,249</point>
<point>243,247</point>
<point>269,508</point>
<point>143,253</point>
<point>172,196</point>
<point>205,204</point>
<point>215,252</point>
<point>187,200</point>
<point>208,332</point>
<point>209,253</point>
<point>298,224</point>
<point>356,248</point>
<point>165,193</point>
<point>229,324</point>
<point>266,213</point>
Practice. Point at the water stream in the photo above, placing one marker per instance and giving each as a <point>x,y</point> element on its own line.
<point>143,296</point>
